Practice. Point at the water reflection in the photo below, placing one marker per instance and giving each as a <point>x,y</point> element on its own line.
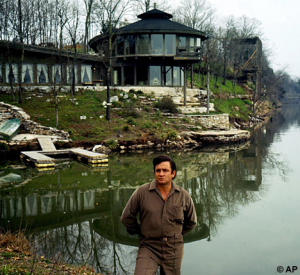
<point>74,210</point>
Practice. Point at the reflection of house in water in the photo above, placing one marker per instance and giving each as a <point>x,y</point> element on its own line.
<point>54,207</point>
<point>251,178</point>
<point>218,182</point>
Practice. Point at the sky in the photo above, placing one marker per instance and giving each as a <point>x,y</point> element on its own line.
<point>280,24</point>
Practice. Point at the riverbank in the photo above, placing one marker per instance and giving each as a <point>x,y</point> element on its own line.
<point>18,256</point>
<point>137,121</point>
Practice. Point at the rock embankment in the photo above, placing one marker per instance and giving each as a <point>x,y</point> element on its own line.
<point>217,132</point>
<point>29,130</point>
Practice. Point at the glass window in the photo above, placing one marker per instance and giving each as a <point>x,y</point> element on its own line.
<point>182,77</point>
<point>198,42</point>
<point>70,74</point>
<point>42,74</point>
<point>117,76</point>
<point>57,73</point>
<point>130,45</point>
<point>157,44</point>
<point>192,44</point>
<point>182,42</point>
<point>155,75</point>
<point>27,73</point>
<point>142,75</point>
<point>143,44</point>
<point>170,44</point>
<point>120,45</point>
<point>129,75</point>
<point>86,73</point>
<point>176,76</point>
<point>11,74</point>
<point>168,76</point>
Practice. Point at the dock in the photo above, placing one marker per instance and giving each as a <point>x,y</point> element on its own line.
<point>48,156</point>
<point>43,159</point>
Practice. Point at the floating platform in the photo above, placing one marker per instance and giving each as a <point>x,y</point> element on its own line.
<point>43,159</point>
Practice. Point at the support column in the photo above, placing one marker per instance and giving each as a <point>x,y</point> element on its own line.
<point>192,76</point>
<point>184,85</point>
<point>134,75</point>
<point>122,76</point>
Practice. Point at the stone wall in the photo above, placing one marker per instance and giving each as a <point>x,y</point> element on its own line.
<point>213,122</point>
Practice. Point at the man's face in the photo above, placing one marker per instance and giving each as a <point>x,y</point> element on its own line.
<point>163,174</point>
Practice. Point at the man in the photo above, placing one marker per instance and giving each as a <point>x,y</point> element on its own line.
<point>166,212</point>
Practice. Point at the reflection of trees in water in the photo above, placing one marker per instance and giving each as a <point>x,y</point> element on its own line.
<point>220,186</point>
<point>78,244</point>
<point>264,136</point>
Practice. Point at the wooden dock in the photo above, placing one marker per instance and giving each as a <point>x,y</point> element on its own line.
<point>43,159</point>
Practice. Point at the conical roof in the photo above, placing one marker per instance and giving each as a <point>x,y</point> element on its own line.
<point>155,13</point>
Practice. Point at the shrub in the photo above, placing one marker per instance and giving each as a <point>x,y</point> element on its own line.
<point>130,121</point>
<point>112,144</point>
<point>172,135</point>
<point>126,128</point>
<point>130,110</point>
<point>166,105</point>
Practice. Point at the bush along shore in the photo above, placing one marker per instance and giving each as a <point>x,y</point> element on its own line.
<point>18,256</point>
<point>137,121</point>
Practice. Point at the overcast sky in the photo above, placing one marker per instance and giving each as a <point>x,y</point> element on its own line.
<point>280,24</point>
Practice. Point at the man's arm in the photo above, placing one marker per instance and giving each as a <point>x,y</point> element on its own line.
<point>190,217</point>
<point>129,214</point>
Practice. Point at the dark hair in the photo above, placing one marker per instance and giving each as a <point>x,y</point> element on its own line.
<point>163,158</point>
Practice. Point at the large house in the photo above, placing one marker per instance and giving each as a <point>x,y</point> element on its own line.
<point>154,51</point>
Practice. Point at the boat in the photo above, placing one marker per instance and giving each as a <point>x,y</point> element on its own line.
<point>9,128</point>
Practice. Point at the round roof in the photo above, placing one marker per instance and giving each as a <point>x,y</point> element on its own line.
<point>153,21</point>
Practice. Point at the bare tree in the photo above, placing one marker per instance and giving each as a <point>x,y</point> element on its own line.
<point>89,5</point>
<point>197,14</point>
<point>110,12</point>
<point>72,28</point>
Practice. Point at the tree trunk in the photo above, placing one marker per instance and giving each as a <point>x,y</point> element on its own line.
<point>208,91</point>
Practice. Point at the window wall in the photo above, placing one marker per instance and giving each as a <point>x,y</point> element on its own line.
<point>157,44</point>
<point>57,73</point>
<point>176,76</point>
<point>27,73</point>
<point>120,45</point>
<point>150,75</point>
<point>142,75</point>
<point>70,74</point>
<point>155,75</point>
<point>129,75</point>
<point>42,74</point>
<point>130,45</point>
<point>170,44</point>
<point>143,44</point>
<point>13,74</point>
<point>86,74</point>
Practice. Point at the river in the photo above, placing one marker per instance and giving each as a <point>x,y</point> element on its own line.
<point>246,197</point>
